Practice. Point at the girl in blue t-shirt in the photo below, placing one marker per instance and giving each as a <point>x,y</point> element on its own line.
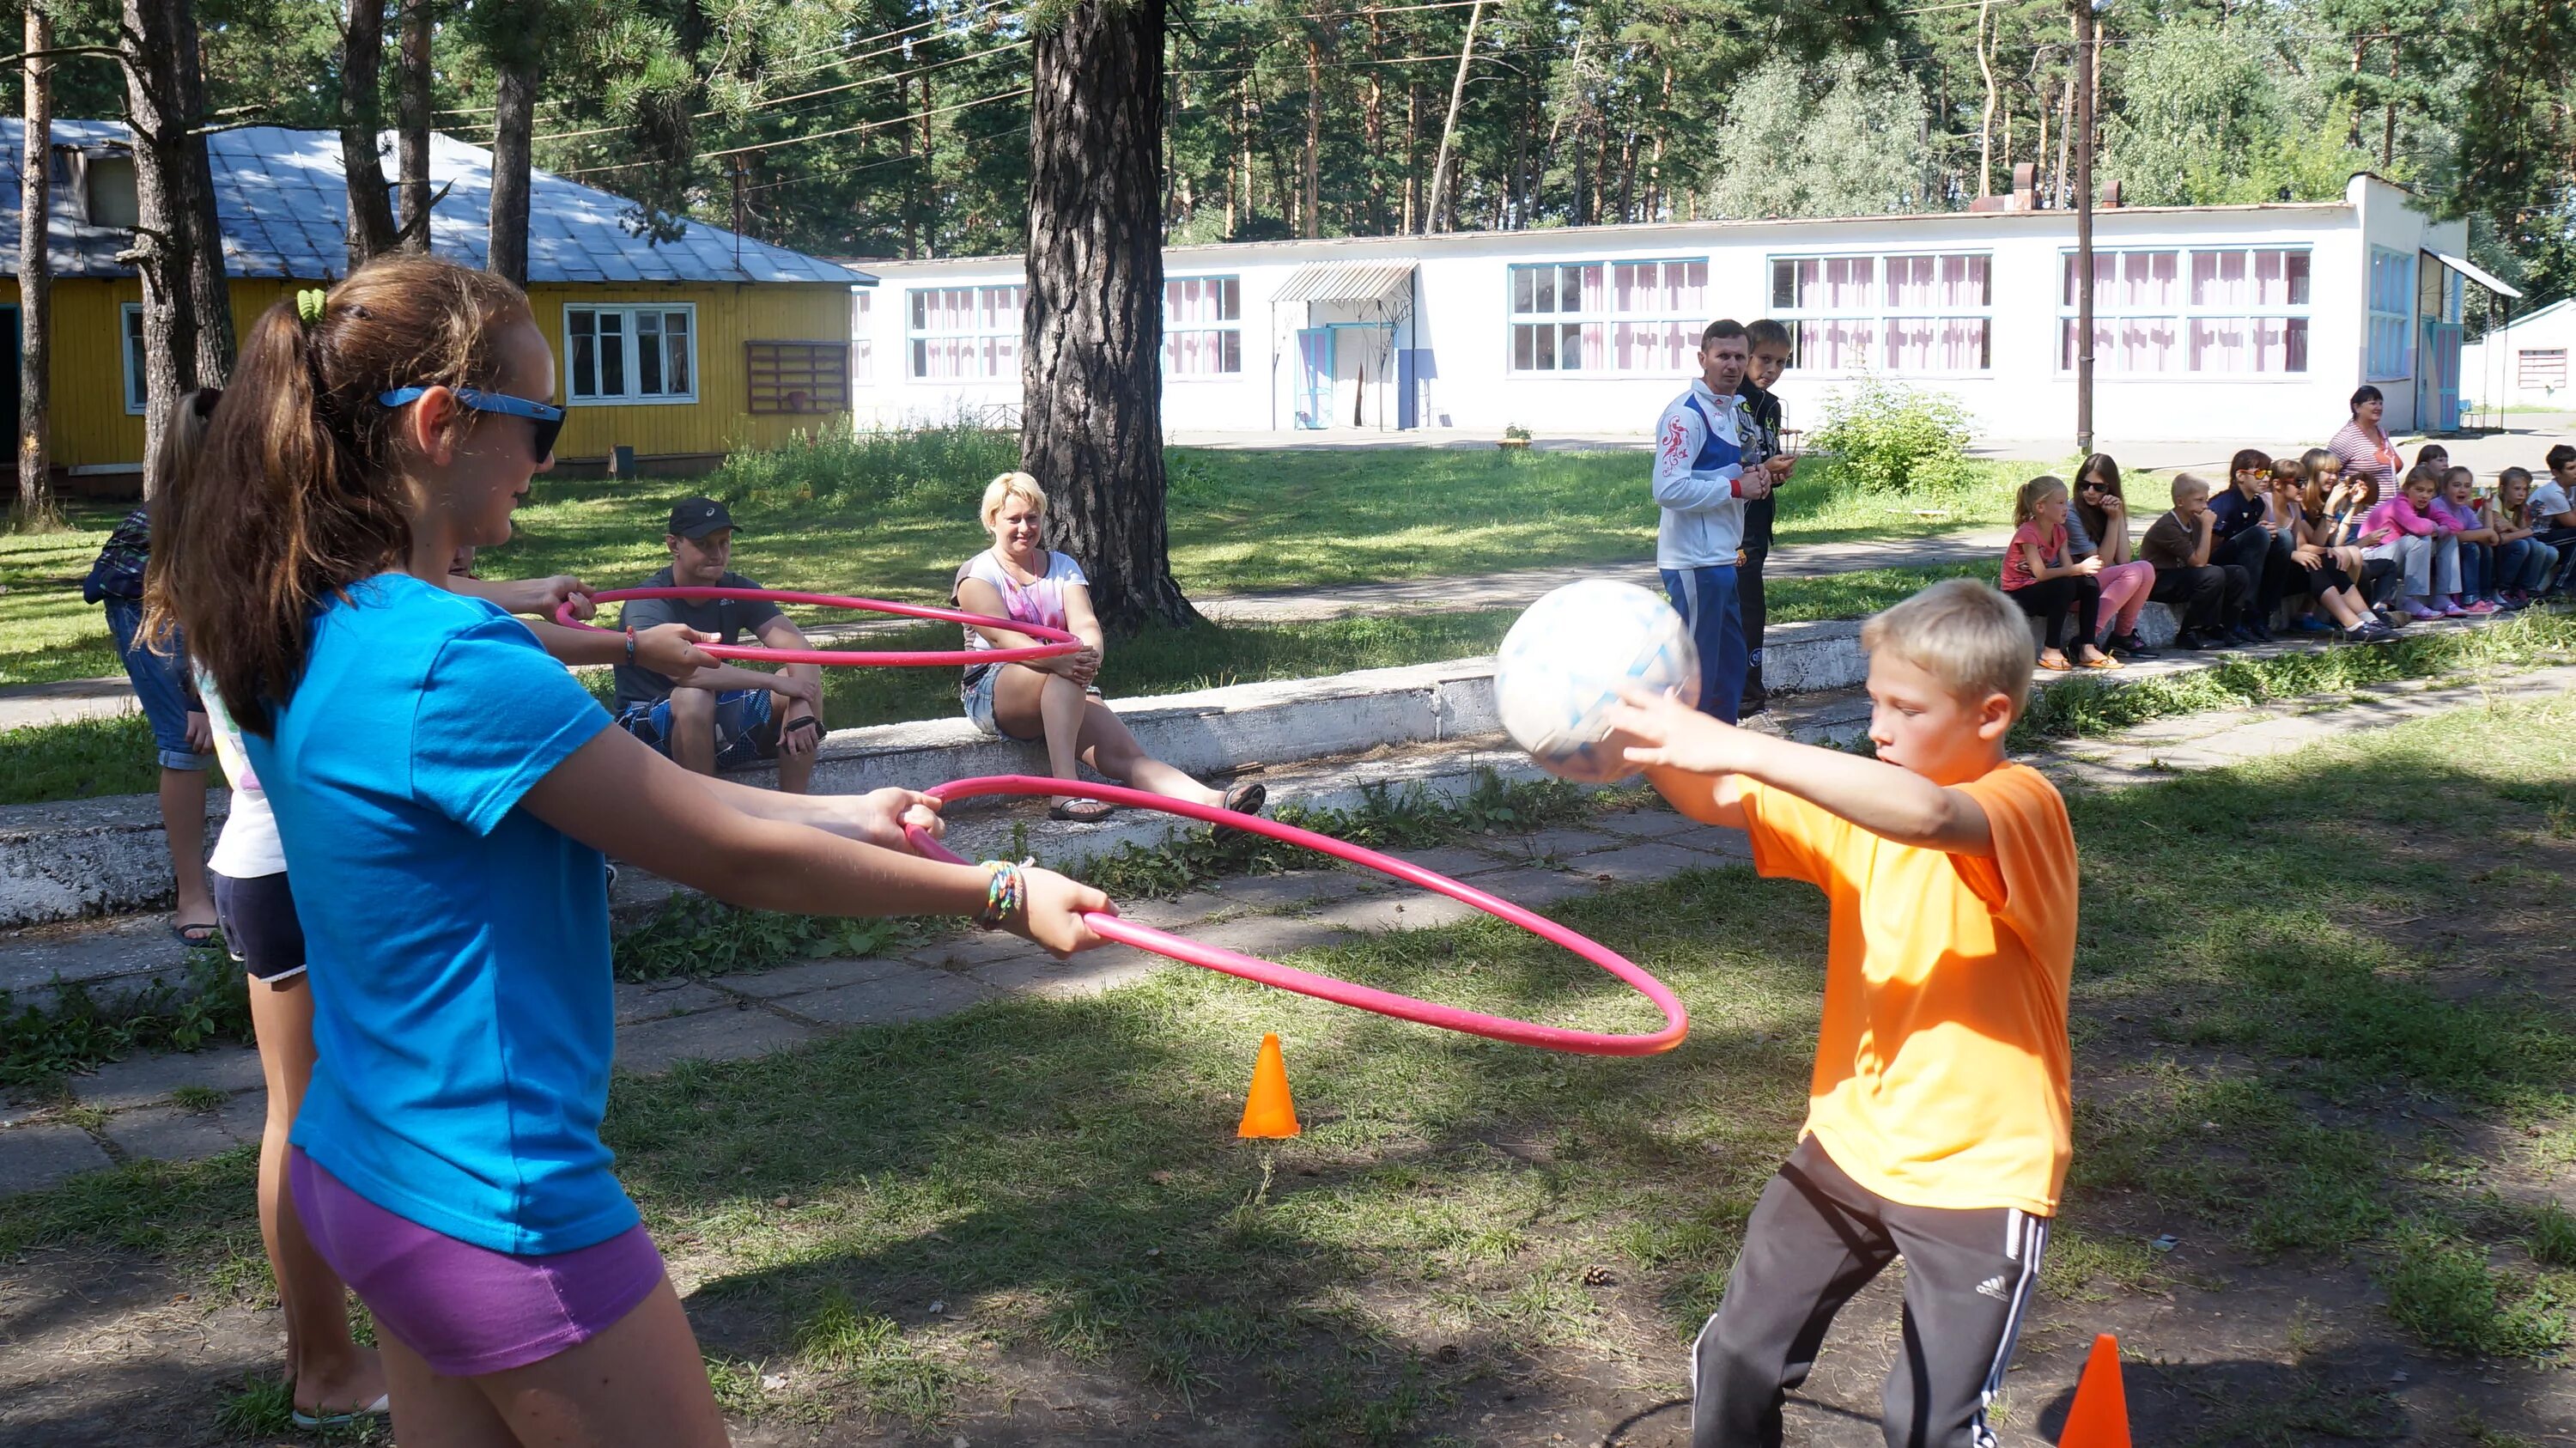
<point>443,792</point>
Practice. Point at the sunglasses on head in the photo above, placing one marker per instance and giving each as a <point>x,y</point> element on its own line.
<point>549,419</point>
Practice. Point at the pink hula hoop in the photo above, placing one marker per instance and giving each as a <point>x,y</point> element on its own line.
<point>1325,987</point>
<point>1062,643</point>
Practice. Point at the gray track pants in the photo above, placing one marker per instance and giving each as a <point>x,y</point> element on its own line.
<point>1816,1238</point>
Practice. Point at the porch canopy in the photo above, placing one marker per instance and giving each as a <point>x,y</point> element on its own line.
<point>1367,281</point>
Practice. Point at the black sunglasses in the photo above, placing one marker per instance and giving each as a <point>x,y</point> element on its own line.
<point>549,419</point>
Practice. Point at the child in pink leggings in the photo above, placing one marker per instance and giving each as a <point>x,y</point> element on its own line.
<point>2099,524</point>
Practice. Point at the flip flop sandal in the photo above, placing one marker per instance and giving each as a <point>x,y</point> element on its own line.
<point>342,1418</point>
<point>1245,797</point>
<point>2061,667</point>
<point>1081,811</point>
<point>2104,661</point>
<point>195,937</point>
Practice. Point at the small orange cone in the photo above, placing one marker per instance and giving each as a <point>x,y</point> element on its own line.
<point>1269,1111</point>
<point>2099,1416</point>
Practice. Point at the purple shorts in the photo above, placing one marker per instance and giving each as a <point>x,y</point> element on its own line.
<point>468,1310</point>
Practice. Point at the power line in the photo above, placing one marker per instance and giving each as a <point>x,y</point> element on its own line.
<point>903,120</point>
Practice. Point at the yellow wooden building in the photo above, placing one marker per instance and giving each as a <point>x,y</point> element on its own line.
<point>668,354</point>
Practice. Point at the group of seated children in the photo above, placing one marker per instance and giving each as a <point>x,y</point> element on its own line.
<point>2290,530</point>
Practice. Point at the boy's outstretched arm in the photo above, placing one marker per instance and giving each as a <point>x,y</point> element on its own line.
<point>1692,759</point>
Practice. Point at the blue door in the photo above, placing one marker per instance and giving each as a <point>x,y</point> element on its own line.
<point>2439,408</point>
<point>1314,391</point>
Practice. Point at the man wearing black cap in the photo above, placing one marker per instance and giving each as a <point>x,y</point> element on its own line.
<point>724,717</point>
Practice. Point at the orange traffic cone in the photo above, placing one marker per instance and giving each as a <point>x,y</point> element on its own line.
<point>1269,1110</point>
<point>2099,1416</point>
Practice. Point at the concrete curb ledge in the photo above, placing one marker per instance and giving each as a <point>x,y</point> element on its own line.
<point>78,858</point>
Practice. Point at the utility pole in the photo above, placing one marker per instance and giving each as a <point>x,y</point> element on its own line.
<point>2085,41</point>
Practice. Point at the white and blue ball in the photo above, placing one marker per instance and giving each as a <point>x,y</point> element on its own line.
<point>1560,666</point>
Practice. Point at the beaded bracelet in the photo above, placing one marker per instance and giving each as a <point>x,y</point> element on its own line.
<point>1005,893</point>
<point>630,643</point>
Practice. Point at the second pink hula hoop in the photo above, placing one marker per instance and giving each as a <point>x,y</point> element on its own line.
<point>1324,987</point>
<point>1059,642</point>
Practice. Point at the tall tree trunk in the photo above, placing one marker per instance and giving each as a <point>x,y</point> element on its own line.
<point>2388,136</point>
<point>2360,44</point>
<point>1092,330</point>
<point>411,119</point>
<point>518,65</point>
<point>177,251</point>
<point>1373,126</point>
<point>1312,210</point>
<point>35,507</point>
<point>362,65</point>
<point>1449,128</point>
<point>1986,119</point>
<point>1412,158</point>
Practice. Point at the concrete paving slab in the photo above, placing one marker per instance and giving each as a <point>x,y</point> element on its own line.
<point>813,975</point>
<point>143,1080</point>
<point>136,947</point>
<point>1716,840</point>
<point>1411,910</point>
<point>1560,843</point>
<point>1639,864</point>
<point>1271,936</point>
<point>913,995</point>
<point>650,1048</point>
<point>1645,824</point>
<point>1535,888</point>
<point>1297,887</point>
<point>1178,910</point>
<point>33,1158</point>
<point>170,1133</point>
<point>641,1001</point>
<point>1089,974</point>
<point>1455,861</point>
<point>961,952</point>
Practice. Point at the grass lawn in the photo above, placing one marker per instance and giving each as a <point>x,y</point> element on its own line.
<point>2322,1043</point>
<point>46,632</point>
<point>114,756</point>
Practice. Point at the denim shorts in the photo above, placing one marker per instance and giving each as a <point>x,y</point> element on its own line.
<point>158,685</point>
<point>977,697</point>
<point>743,737</point>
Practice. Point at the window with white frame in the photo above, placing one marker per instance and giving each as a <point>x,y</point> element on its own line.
<point>1202,326</point>
<point>1923,313</point>
<point>131,320</point>
<point>863,342</point>
<point>2392,315</point>
<point>628,355</point>
<point>2179,311</point>
<point>1634,317</point>
<point>965,332</point>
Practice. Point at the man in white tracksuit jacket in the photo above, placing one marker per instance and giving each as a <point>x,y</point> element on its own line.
<point>1702,484</point>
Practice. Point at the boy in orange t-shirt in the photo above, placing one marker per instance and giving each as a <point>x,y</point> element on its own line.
<point>1938,1116</point>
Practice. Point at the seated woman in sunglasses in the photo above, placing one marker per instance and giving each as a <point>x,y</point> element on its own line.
<point>724,717</point>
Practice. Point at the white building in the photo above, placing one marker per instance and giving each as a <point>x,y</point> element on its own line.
<point>2524,364</point>
<point>2211,322</point>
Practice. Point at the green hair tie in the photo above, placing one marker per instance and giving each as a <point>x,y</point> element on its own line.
<point>309,304</point>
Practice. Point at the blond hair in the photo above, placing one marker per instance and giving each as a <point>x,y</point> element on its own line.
<point>2033,493</point>
<point>1006,486</point>
<point>2185,483</point>
<point>1962,632</point>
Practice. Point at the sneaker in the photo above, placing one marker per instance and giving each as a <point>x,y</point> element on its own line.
<point>2454,610</point>
<point>2189,640</point>
<point>2242,634</point>
<point>2261,631</point>
<point>2371,632</point>
<point>2420,613</point>
<point>2132,645</point>
<point>2310,623</point>
<point>2389,617</point>
<point>2479,609</point>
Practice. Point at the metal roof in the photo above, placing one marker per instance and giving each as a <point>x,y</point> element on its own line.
<point>282,201</point>
<point>2470,270</point>
<point>1346,282</point>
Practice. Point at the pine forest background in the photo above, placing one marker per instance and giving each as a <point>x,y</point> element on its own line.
<point>893,128</point>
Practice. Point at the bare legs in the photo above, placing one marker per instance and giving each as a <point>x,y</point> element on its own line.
<point>693,739</point>
<point>641,1381</point>
<point>330,1372</point>
<point>795,767</point>
<point>183,823</point>
<point>1032,704</point>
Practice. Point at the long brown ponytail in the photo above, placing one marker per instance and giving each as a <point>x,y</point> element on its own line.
<point>298,494</point>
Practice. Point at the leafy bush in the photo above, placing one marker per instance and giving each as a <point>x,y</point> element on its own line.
<point>934,469</point>
<point>1886,437</point>
<point>210,1003</point>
